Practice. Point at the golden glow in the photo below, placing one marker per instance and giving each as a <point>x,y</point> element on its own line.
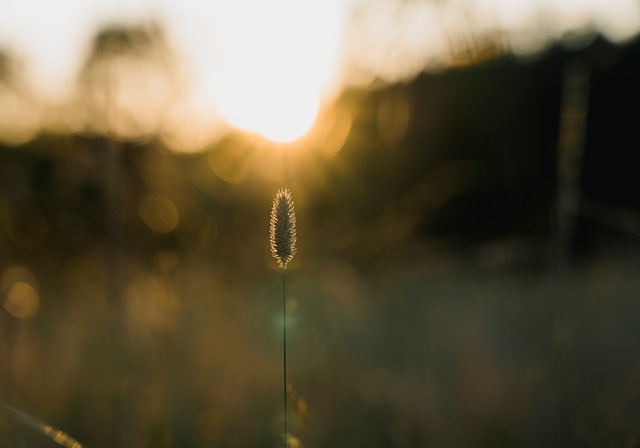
<point>147,298</point>
<point>276,59</point>
<point>260,66</point>
<point>230,163</point>
<point>18,117</point>
<point>277,114</point>
<point>330,131</point>
<point>19,287</point>
<point>22,300</point>
<point>159,213</point>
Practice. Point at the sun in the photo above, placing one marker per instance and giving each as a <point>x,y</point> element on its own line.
<point>272,109</point>
<point>276,61</point>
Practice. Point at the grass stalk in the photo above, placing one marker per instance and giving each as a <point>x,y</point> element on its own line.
<point>282,239</point>
<point>284,350</point>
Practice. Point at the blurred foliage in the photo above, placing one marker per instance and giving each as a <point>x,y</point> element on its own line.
<point>129,82</point>
<point>140,302</point>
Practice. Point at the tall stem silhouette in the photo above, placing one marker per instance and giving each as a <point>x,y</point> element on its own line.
<point>282,238</point>
<point>284,349</point>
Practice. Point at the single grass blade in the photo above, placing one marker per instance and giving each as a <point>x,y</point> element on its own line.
<point>58,436</point>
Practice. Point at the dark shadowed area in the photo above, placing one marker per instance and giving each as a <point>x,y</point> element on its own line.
<point>466,275</point>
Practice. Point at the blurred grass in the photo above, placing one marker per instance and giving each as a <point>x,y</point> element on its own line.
<point>424,311</point>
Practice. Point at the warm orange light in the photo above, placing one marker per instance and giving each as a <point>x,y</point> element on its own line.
<point>276,59</point>
<point>278,114</point>
<point>260,66</point>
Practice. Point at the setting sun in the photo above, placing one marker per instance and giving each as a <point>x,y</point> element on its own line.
<point>271,108</point>
<point>188,71</point>
<point>277,59</point>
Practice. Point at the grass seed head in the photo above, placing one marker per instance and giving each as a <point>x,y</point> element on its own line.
<point>282,228</point>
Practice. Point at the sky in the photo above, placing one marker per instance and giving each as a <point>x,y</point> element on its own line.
<point>271,67</point>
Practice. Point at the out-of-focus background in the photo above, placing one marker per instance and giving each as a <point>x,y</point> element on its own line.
<point>465,180</point>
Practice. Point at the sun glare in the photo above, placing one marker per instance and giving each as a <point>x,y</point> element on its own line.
<point>274,111</point>
<point>264,67</point>
<point>276,59</point>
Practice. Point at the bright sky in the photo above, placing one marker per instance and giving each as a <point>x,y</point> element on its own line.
<point>268,66</point>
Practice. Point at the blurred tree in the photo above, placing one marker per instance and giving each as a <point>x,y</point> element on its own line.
<point>129,81</point>
<point>19,118</point>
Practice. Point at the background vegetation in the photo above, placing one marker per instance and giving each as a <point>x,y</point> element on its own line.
<point>466,274</point>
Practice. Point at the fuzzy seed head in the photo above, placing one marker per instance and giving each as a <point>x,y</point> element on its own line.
<point>282,228</point>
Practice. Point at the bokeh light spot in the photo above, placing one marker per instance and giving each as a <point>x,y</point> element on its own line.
<point>147,299</point>
<point>19,288</point>
<point>159,213</point>
<point>22,301</point>
<point>330,132</point>
<point>230,163</point>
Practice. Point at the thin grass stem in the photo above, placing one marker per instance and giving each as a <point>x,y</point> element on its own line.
<point>284,347</point>
<point>282,239</point>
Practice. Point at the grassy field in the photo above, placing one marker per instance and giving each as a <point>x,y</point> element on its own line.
<point>442,294</point>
